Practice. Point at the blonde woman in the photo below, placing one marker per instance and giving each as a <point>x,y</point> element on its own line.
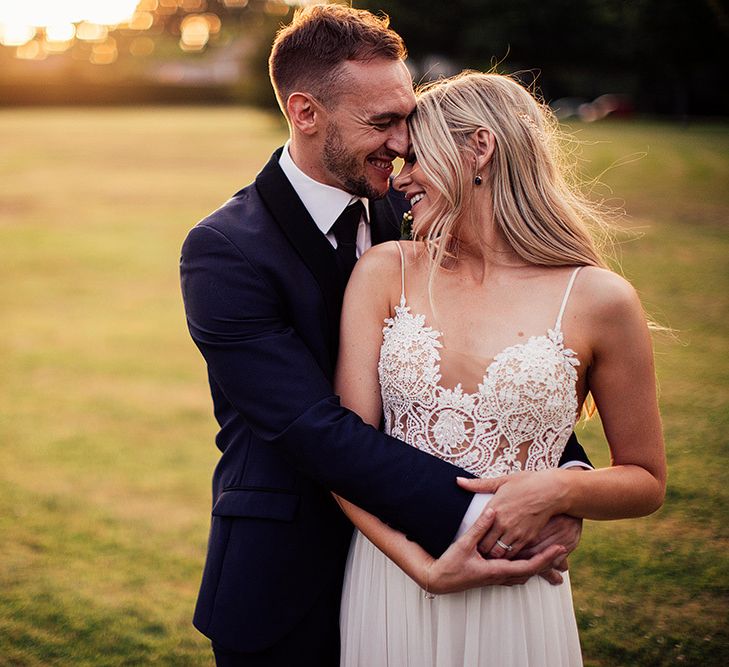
<point>499,321</point>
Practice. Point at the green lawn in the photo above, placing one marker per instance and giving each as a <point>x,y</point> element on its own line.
<point>106,433</point>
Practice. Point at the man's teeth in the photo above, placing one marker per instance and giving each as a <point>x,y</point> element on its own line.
<point>382,164</point>
<point>417,198</point>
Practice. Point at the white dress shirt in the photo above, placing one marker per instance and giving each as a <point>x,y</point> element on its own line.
<point>325,203</point>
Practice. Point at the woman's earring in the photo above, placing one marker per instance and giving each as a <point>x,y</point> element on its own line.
<point>478,180</point>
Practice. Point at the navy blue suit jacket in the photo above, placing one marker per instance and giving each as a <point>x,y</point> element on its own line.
<point>263,295</point>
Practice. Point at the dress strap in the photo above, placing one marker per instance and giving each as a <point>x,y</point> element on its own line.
<point>558,325</point>
<point>402,274</point>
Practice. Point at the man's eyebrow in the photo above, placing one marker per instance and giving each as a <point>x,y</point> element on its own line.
<point>388,115</point>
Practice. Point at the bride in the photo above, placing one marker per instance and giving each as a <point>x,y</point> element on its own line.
<point>499,320</point>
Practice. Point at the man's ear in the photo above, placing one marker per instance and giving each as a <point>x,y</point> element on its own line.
<point>484,144</point>
<point>304,112</point>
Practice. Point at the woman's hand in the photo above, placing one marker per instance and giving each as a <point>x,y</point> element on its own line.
<point>523,504</point>
<point>462,566</point>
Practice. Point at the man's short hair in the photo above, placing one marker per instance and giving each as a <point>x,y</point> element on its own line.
<point>307,54</point>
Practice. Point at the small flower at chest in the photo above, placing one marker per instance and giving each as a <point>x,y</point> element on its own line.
<point>406,226</point>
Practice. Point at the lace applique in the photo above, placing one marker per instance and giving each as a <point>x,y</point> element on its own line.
<point>519,419</point>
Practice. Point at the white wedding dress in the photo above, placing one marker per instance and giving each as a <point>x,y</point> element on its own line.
<point>519,418</point>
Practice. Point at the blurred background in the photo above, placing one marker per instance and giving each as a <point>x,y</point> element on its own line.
<point>123,122</point>
<point>648,56</point>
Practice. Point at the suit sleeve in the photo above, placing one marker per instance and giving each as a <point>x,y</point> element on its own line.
<point>574,451</point>
<point>270,377</point>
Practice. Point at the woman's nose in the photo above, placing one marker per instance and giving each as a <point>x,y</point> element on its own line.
<point>402,180</point>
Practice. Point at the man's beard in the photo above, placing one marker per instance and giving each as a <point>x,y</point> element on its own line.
<point>345,166</point>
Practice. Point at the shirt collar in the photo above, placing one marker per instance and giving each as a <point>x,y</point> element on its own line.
<point>323,202</point>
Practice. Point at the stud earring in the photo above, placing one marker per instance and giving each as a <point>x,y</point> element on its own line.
<point>478,180</point>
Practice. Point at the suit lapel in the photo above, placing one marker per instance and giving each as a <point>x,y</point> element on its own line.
<point>312,246</point>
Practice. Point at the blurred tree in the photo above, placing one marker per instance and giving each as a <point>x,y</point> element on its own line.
<point>255,86</point>
<point>680,53</point>
<point>667,54</point>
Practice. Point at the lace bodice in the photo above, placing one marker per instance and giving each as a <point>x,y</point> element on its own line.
<point>520,417</point>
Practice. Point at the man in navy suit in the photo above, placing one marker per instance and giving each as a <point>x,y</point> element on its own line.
<point>262,280</point>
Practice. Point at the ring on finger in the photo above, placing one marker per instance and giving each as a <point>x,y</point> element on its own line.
<point>505,547</point>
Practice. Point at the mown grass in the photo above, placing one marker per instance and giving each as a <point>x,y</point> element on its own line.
<point>105,425</point>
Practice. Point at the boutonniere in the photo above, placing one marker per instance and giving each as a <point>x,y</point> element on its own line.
<point>406,226</point>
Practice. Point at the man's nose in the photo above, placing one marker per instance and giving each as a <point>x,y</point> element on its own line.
<point>399,139</point>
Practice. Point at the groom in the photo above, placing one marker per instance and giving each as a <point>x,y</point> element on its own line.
<point>262,280</point>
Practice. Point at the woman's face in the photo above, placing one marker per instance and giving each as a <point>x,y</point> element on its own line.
<point>415,185</point>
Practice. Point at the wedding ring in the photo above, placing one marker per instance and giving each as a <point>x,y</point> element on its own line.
<point>505,547</point>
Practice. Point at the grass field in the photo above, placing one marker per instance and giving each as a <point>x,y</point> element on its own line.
<point>106,433</point>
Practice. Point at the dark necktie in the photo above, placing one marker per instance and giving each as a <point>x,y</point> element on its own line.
<point>345,231</point>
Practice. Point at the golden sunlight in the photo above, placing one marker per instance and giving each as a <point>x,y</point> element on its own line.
<point>19,21</point>
<point>102,31</point>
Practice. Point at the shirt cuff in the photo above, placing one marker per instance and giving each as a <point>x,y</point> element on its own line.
<point>576,464</point>
<point>479,502</point>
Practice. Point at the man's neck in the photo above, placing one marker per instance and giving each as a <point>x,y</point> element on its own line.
<point>311,166</point>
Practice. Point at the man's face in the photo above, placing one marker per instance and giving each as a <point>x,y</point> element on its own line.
<point>367,128</point>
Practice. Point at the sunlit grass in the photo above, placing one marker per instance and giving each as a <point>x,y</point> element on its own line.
<point>106,435</point>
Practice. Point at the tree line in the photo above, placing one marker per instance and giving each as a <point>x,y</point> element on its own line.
<point>669,56</point>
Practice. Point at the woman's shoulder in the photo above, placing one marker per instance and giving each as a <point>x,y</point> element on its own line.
<point>606,294</point>
<point>388,256</point>
<point>381,270</point>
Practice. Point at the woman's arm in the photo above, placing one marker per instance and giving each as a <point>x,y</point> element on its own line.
<point>623,383</point>
<point>461,567</point>
<point>367,303</point>
<point>621,377</point>
<point>371,292</point>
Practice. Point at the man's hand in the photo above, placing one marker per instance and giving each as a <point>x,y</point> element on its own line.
<point>563,530</point>
<point>462,567</point>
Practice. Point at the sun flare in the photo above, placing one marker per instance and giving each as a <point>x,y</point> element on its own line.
<point>19,21</point>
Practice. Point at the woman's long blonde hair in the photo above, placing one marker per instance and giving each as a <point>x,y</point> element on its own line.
<point>541,214</point>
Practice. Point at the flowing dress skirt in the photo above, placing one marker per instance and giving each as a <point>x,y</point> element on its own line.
<point>387,622</point>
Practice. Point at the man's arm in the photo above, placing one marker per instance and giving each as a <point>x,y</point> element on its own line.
<point>271,378</point>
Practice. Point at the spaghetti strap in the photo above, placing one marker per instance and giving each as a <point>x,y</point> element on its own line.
<point>558,325</point>
<point>402,274</point>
